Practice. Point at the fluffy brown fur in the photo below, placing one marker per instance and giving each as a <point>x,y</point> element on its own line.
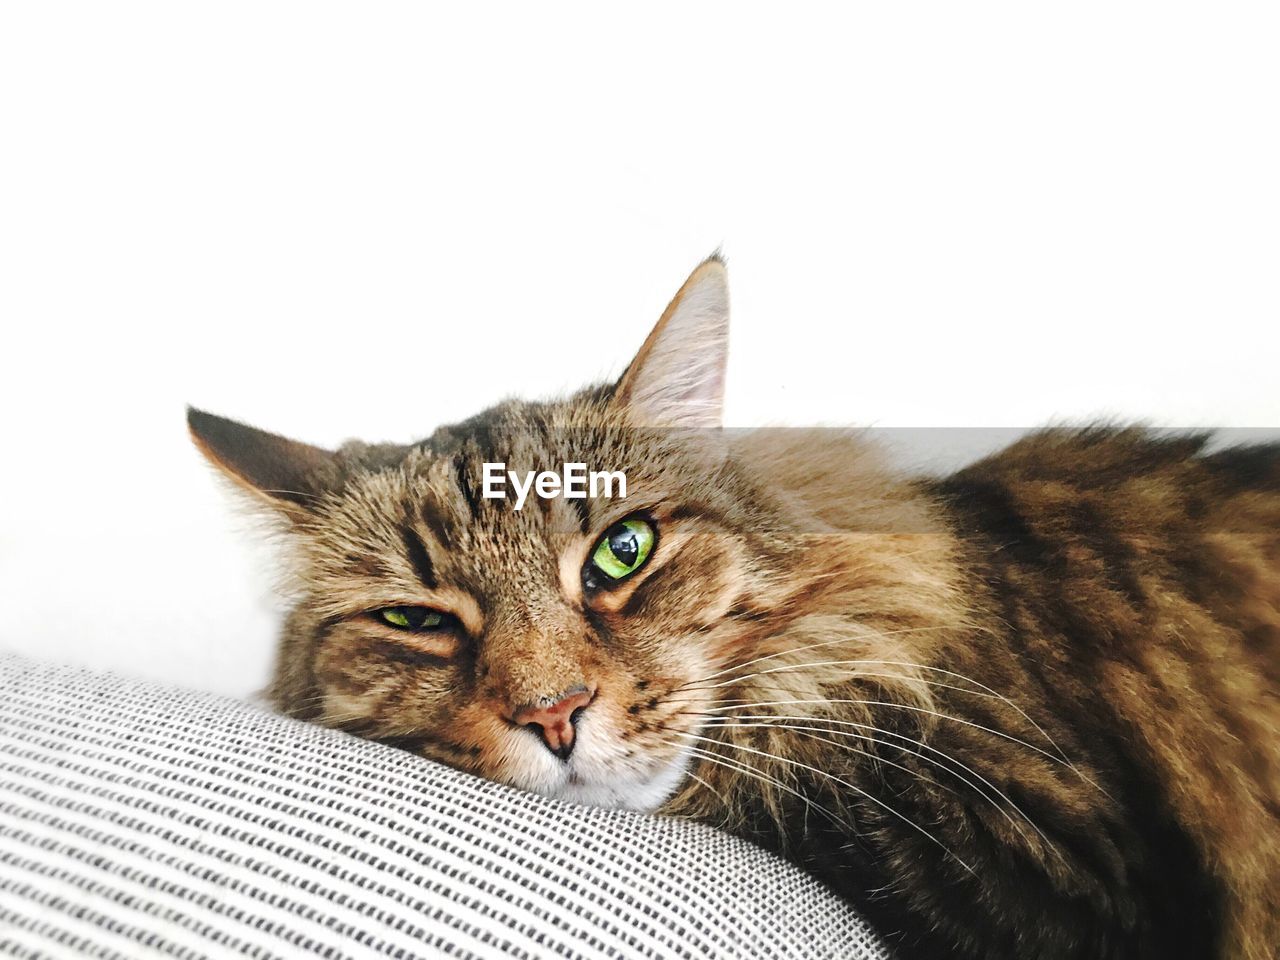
<point>1028,711</point>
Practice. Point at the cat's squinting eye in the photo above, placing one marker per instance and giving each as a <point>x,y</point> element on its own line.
<point>412,618</point>
<point>622,551</point>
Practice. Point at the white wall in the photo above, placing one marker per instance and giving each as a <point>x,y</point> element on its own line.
<point>360,219</point>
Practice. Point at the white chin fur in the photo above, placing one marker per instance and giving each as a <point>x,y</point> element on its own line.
<point>595,775</point>
<point>624,792</point>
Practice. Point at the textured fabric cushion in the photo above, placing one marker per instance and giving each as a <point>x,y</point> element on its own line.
<point>140,821</point>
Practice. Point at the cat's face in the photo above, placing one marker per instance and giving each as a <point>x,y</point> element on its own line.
<point>562,645</point>
<point>567,647</point>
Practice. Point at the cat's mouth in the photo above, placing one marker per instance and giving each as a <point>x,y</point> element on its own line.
<point>601,773</point>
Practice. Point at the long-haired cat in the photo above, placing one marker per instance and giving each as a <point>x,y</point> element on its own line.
<point>1031,710</point>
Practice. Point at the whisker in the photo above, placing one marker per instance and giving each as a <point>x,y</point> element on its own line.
<point>890,663</point>
<point>823,643</point>
<point>721,796</point>
<point>924,746</point>
<point>845,783</point>
<point>722,704</point>
<point>907,706</point>
<point>880,676</point>
<point>811,733</point>
<point>756,774</point>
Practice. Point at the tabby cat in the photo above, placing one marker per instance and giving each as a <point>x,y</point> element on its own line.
<point>1031,710</point>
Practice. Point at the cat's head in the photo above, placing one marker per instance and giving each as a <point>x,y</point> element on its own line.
<point>566,647</point>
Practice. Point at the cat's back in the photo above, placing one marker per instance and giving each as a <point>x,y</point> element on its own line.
<point>1139,577</point>
<point>1128,517</point>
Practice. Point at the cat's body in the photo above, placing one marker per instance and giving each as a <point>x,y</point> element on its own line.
<point>1028,711</point>
<point>1124,591</point>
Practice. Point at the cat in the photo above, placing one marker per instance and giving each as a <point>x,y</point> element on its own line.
<point>1028,710</point>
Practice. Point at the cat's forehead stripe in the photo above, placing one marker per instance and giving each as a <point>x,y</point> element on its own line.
<point>419,558</point>
<point>433,521</point>
<point>464,484</point>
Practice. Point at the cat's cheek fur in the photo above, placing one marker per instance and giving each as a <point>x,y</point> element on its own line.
<point>693,591</point>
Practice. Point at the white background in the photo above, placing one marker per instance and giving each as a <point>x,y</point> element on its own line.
<point>367,219</point>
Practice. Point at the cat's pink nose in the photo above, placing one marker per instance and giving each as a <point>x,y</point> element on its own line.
<point>554,721</point>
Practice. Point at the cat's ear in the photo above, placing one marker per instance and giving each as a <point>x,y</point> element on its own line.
<point>284,473</point>
<point>677,378</point>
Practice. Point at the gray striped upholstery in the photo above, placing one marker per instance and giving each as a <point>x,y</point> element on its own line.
<point>141,821</point>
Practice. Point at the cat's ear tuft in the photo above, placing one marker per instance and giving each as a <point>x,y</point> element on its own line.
<point>285,473</point>
<point>677,378</point>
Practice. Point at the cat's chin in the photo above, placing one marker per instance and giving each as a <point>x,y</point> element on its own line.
<point>601,787</point>
<point>627,793</point>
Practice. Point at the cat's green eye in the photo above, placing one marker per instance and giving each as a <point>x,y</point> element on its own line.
<point>411,618</point>
<point>621,551</point>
